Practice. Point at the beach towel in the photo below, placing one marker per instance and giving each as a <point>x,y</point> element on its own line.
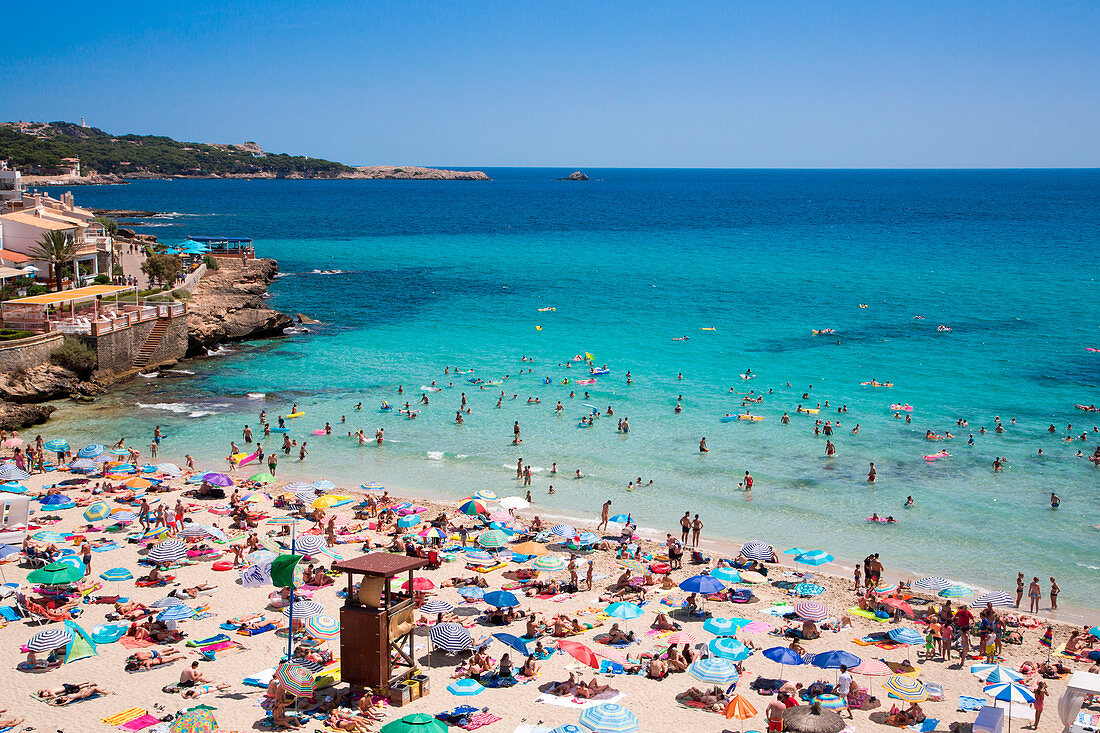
<point>925,726</point>
<point>125,716</point>
<point>140,723</point>
<point>478,720</point>
<point>969,704</point>
<point>574,703</point>
<point>758,627</point>
<point>132,642</point>
<point>253,632</point>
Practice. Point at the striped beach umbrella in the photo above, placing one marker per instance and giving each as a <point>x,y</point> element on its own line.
<point>564,531</point>
<point>903,635</point>
<point>433,533</point>
<point>83,465</point>
<point>1009,692</point>
<point>995,598</point>
<point>169,468</point>
<point>729,648</point>
<point>323,485</point>
<point>714,671</point>
<point>196,530</point>
<point>624,610</point>
<point>57,445</point>
<point>480,557</point>
<point>123,516</point>
<point>933,583</point>
<point>609,717</point>
<point>809,589</point>
<point>176,613</point>
<point>97,511</point>
<point>501,599</point>
<point>450,637</point>
<point>167,602</point>
<point>49,639</point>
<point>814,557</point>
<point>295,486</point>
<point>725,626</point>
<point>681,637</point>
<point>465,687</point>
<point>281,521</point>
<point>295,679</point>
<point>906,688</point>
<point>514,502</point>
<point>873,668</point>
<point>91,451</point>
<point>585,539</point>
<point>309,544</point>
<point>118,452</point>
<point>492,538</point>
<point>549,563</point>
<point>322,627</point>
<point>11,472</point>
<point>757,550</point>
<point>371,486</point>
<point>472,508</point>
<point>472,593</point>
<point>811,610</point>
<point>995,674</point>
<point>436,605</point>
<point>48,536</point>
<point>956,591</point>
<point>117,574</point>
<point>305,497</point>
<point>152,534</point>
<point>169,551</point>
<point>303,610</point>
<point>886,587</point>
<point>485,496</point>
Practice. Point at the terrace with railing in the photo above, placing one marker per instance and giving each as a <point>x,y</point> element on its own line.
<point>90,311</point>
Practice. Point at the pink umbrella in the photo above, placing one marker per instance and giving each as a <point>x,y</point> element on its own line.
<point>419,584</point>
<point>500,517</point>
<point>681,637</point>
<point>13,443</point>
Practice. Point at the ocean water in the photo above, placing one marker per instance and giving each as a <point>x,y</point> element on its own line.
<point>430,274</point>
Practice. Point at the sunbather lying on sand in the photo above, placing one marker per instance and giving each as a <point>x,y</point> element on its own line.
<point>714,698</point>
<point>71,693</point>
<point>149,658</point>
<point>664,623</point>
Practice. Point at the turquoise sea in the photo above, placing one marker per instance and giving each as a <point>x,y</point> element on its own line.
<point>432,274</point>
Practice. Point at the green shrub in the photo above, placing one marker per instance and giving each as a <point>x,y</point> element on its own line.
<point>10,334</point>
<point>181,294</point>
<point>102,279</point>
<point>210,261</point>
<point>75,355</point>
<point>37,290</point>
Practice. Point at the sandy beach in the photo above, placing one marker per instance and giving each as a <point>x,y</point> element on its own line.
<point>654,702</point>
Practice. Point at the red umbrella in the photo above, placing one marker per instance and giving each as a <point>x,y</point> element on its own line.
<point>899,605</point>
<point>580,652</point>
<point>419,584</point>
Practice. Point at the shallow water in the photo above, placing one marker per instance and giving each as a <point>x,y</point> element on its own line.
<point>451,273</point>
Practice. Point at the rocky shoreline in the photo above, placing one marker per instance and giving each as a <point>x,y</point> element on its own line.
<point>365,172</point>
<point>229,304</point>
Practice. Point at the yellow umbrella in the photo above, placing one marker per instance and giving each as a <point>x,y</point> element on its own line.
<point>740,708</point>
<point>530,548</point>
<point>325,502</point>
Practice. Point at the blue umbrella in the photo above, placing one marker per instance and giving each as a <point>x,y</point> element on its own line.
<point>906,636</point>
<point>1009,692</point>
<point>609,717</point>
<point>730,575</point>
<point>783,655</point>
<point>57,445</point>
<point>472,594</point>
<point>714,671</point>
<point>11,472</point>
<point>834,659</point>
<point>465,687</point>
<point>176,613</point>
<point>91,451</point>
<point>117,574</point>
<point>814,557</point>
<point>729,648</point>
<point>13,487</point>
<point>564,531</point>
<point>794,551</point>
<point>501,599</point>
<point>621,518</point>
<point>586,538</point>
<point>479,557</point>
<point>55,500</point>
<point>7,551</point>
<point>725,626</point>
<point>513,641</point>
<point>809,589</point>
<point>569,728</point>
<point>625,611</point>
<point>704,584</point>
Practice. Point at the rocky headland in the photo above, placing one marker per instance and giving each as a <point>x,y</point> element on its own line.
<point>228,304</point>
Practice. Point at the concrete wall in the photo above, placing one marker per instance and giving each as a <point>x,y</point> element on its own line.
<point>28,352</point>
<point>116,351</point>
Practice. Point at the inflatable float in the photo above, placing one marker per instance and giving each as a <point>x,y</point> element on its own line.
<point>877,384</point>
<point>729,418</point>
<point>584,381</point>
<point>544,310</point>
<point>597,372</point>
<point>222,565</point>
<point>881,520</point>
<point>708,328</point>
<point>280,430</point>
<point>817,332</point>
<point>751,418</point>
<point>935,456</point>
<point>319,432</point>
<point>1088,408</point>
<point>809,410</point>
<point>747,376</point>
<point>294,414</point>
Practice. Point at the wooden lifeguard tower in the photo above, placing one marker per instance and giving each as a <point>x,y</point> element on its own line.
<point>376,622</point>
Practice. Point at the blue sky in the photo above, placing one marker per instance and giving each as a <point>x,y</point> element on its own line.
<point>484,83</point>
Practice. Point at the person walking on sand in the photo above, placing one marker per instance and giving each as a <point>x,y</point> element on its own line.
<point>696,528</point>
<point>1034,592</point>
<point>1040,694</point>
<point>604,513</point>
<point>589,573</point>
<point>685,527</point>
<point>1054,591</point>
<point>1019,588</point>
<point>143,514</point>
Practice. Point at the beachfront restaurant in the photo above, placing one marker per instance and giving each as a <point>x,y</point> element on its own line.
<point>220,246</point>
<point>90,311</point>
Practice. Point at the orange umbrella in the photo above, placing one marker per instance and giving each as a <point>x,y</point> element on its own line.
<point>580,652</point>
<point>530,548</point>
<point>139,483</point>
<point>740,708</point>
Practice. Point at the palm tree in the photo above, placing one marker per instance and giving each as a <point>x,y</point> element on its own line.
<point>56,248</point>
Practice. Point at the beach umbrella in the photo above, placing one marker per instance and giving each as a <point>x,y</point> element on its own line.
<point>472,593</point>
<point>436,605</point>
<point>58,573</point>
<point>811,719</point>
<point>326,501</point>
<point>580,652</point>
<point>118,452</point>
<point>811,610</point>
<point>472,508</point>
<point>564,531</point>
<point>303,610</point>
<point>514,642</point>
<point>50,639</point>
<point>91,451</point>
<point>176,613</point>
<point>1009,692</point>
<point>169,468</point>
<point>704,584</point>
<point>993,597</point>
<point>569,728</point>
<point>167,602</point>
<point>450,637</point>
<point>217,479</point>
<point>152,534</point>
<point>809,589</point>
<point>433,533</point>
<point>873,668</point>
<point>262,478</point>
<point>418,583</point>
<point>11,472</point>
<point>609,717</point>
<point>13,487</point>
<point>73,560</point>
<point>282,521</point>
<point>323,485</point>
<point>514,502</point>
<point>729,575</point>
<point>625,611</point>
<point>899,605</point>
<point>549,563</point>
<point>306,497</point>
<point>729,648</point>
<point>409,520</point>
<point>632,565</point>
<point>138,483</point>
<point>739,707</point>
<point>169,551</point>
<point>714,671</point>
<point>465,687</point>
<point>492,538</point>
<point>298,486</point>
<point>814,557</point>
<point>199,719</point>
<point>752,577</point>
<point>485,495</point>
<point>97,511</point>
<point>834,659</point>
<point>295,679</point>
<point>530,548</point>
<point>117,575</point>
<point>479,557</point>
<point>415,723</point>
<point>757,550</point>
<point>903,635</point>
<point>783,656</point>
<point>57,445</point>
<point>56,500</point>
<point>725,626</point>
<point>681,637</point>
<point>14,443</point>
<point>621,519</point>
<point>82,465</point>
<point>48,536</point>
<point>322,627</point>
<point>933,583</point>
<point>309,544</point>
<point>586,538</point>
<point>501,599</point>
<point>886,587</point>
<point>995,673</point>
<point>906,688</point>
<point>831,702</point>
<point>123,516</point>
<point>956,591</point>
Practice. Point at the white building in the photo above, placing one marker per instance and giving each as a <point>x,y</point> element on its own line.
<point>11,186</point>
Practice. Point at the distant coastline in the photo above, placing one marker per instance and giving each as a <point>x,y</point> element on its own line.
<point>366,172</point>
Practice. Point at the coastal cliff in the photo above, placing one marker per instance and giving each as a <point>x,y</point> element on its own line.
<point>228,305</point>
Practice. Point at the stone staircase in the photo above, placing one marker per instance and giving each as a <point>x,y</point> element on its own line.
<point>145,354</point>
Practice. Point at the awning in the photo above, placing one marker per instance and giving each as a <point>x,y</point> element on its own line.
<point>77,295</point>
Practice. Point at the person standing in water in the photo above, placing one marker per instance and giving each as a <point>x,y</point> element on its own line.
<point>1054,591</point>
<point>872,474</point>
<point>703,446</point>
<point>1034,593</point>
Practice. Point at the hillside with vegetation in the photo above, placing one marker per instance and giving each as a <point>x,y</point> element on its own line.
<point>40,147</point>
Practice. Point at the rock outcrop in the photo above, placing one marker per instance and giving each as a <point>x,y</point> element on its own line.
<point>228,305</point>
<point>413,173</point>
<point>575,176</point>
<point>16,417</point>
<point>44,382</point>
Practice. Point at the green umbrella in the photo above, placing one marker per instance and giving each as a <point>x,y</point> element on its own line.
<point>58,573</point>
<point>263,478</point>
<point>415,723</point>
